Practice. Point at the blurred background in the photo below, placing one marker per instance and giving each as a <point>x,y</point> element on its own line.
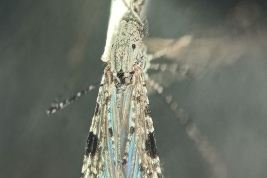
<point>52,47</point>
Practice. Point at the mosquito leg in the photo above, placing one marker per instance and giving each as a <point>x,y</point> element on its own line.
<point>56,106</point>
<point>208,152</point>
<point>173,68</point>
<point>180,114</point>
<point>126,4</point>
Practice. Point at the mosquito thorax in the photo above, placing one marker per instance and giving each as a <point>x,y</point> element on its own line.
<point>126,46</point>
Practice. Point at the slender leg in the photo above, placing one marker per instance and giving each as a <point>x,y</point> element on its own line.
<point>126,4</point>
<point>173,68</point>
<point>56,106</point>
<point>180,114</point>
<point>208,152</point>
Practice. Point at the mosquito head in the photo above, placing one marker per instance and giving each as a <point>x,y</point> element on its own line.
<point>126,43</point>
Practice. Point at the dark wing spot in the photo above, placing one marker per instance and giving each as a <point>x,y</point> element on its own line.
<point>124,162</point>
<point>110,132</point>
<point>141,168</point>
<point>132,130</point>
<point>151,146</point>
<point>147,111</point>
<point>91,145</point>
<point>133,46</point>
<point>96,108</point>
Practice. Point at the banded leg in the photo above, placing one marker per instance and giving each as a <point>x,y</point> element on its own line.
<point>173,68</point>
<point>204,146</point>
<point>179,113</point>
<point>55,106</point>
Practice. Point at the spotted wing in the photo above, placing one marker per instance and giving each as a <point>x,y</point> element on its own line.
<point>99,152</point>
<point>141,154</point>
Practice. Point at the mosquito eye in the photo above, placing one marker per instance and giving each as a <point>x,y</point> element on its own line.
<point>133,46</point>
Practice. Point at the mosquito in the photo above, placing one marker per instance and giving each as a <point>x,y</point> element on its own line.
<point>121,141</point>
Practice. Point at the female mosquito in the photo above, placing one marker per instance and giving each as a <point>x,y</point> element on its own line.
<point>121,141</point>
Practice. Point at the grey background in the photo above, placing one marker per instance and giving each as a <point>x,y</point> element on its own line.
<point>44,42</point>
